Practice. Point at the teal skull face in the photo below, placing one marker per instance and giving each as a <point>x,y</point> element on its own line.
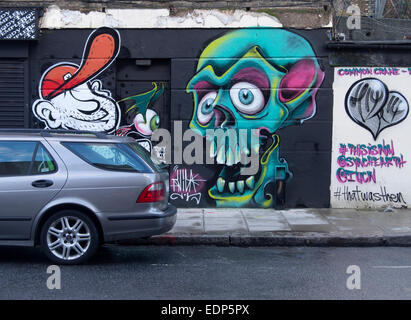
<point>256,79</point>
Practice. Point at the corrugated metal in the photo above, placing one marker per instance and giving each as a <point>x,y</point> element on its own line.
<point>11,93</point>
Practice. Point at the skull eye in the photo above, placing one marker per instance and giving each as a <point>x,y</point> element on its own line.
<point>205,108</point>
<point>247,97</point>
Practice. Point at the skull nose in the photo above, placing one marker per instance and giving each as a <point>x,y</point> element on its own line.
<point>224,118</point>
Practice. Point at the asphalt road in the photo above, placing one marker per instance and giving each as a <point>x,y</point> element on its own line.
<point>208,272</point>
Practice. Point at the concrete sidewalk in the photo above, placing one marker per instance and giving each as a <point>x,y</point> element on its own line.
<point>293,227</point>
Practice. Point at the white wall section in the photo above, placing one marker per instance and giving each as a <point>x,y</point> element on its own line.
<point>371,138</point>
<point>56,18</point>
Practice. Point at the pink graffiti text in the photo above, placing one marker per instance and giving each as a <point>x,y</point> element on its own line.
<point>367,149</point>
<point>353,157</point>
<point>344,176</point>
<point>385,71</point>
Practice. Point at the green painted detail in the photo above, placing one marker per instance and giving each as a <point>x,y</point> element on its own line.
<point>143,100</point>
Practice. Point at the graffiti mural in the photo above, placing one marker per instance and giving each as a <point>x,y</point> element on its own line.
<point>70,95</point>
<point>370,104</point>
<point>370,170</point>
<point>268,81</point>
<point>144,119</point>
<point>256,79</point>
<point>72,98</point>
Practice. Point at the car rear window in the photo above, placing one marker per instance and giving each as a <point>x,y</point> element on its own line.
<point>109,156</point>
<point>143,153</point>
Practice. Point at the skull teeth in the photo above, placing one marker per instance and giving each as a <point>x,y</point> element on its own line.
<point>232,155</point>
<point>233,187</point>
<point>213,149</point>
<point>229,157</point>
<point>240,186</point>
<point>237,154</point>
<point>250,182</point>
<point>220,184</point>
<point>221,156</point>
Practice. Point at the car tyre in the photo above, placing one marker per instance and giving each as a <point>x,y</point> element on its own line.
<point>69,237</point>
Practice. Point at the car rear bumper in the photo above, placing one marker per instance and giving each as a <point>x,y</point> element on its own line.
<point>137,225</point>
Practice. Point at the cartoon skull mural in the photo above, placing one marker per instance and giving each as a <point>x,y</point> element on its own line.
<point>256,79</point>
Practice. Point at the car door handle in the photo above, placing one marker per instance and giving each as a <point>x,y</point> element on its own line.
<point>42,183</point>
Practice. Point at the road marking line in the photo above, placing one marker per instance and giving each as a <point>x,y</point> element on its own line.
<point>392,267</point>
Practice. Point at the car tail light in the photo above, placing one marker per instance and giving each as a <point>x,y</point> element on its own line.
<point>152,193</point>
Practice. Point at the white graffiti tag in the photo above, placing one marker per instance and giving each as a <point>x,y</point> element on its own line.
<point>186,185</point>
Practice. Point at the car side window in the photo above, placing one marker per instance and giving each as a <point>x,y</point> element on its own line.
<point>43,162</point>
<point>19,158</point>
<point>16,157</point>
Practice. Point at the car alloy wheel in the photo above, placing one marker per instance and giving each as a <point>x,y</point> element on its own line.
<point>69,237</point>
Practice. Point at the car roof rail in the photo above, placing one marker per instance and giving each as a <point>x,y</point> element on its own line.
<point>48,132</point>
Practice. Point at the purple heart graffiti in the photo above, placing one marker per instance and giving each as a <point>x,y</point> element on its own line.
<point>370,104</point>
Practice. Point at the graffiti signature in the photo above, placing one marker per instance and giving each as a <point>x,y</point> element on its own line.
<point>186,185</point>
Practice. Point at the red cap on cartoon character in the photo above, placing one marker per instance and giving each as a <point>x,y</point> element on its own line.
<point>102,47</point>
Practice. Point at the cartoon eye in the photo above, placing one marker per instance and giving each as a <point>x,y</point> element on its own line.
<point>247,98</point>
<point>147,127</point>
<point>205,108</point>
<point>155,123</point>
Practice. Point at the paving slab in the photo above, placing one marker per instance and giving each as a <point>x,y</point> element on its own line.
<point>190,214</point>
<point>191,226</point>
<point>304,217</point>
<point>292,227</point>
<point>397,229</point>
<point>222,213</point>
<point>353,223</point>
<point>263,224</point>
<point>263,214</point>
<point>229,225</point>
<point>182,211</point>
<point>360,231</point>
<point>267,227</point>
<point>342,215</point>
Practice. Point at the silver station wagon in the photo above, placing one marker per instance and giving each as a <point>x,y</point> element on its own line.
<point>70,191</point>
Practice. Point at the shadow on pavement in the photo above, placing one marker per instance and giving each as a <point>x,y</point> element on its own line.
<point>106,255</point>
